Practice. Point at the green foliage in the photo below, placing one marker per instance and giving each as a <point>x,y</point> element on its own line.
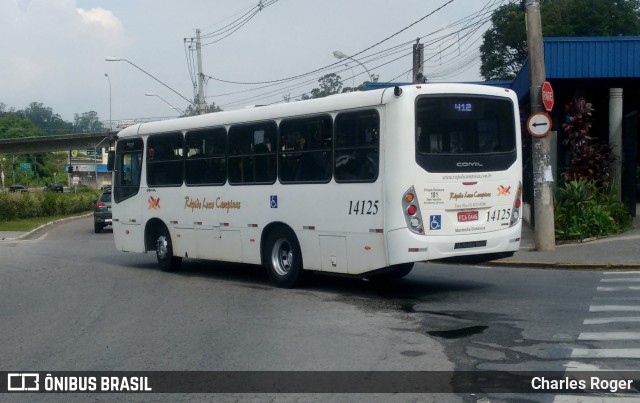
<point>12,127</point>
<point>88,122</point>
<point>584,210</point>
<point>329,84</point>
<point>504,47</point>
<point>24,205</point>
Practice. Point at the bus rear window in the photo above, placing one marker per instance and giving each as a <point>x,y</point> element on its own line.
<point>449,128</point>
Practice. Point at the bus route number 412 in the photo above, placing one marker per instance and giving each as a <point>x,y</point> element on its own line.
<point>363,207</point>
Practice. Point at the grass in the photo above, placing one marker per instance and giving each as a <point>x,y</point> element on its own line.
<point>28,224</point>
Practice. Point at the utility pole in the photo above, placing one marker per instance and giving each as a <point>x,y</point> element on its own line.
<point>418,65</point>
<point>542,172</point>
<point>201,103</point>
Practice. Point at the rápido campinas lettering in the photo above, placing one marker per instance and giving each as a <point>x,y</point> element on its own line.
<point>204,204</point>
<point>593,383</point>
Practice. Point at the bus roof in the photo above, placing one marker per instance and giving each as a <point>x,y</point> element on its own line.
<point>353,100</point>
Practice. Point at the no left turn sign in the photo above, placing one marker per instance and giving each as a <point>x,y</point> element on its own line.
<point>539,124</point>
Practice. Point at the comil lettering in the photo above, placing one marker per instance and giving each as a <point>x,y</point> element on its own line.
<point>469,164</point>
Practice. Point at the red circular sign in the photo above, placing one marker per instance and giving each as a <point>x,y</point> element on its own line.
<point>547,96</point>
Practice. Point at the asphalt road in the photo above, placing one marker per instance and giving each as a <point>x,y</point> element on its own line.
<point>70,302</point>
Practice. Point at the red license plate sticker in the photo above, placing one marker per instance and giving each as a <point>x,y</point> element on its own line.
<point>465,216</point>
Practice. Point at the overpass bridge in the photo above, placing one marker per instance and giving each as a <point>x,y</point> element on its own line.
<point>93,174</point>
<point>65,142</point>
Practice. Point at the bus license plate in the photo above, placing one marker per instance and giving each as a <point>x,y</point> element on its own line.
<point>465,216</point>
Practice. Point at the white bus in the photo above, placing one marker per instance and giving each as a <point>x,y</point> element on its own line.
<point>365,183</point>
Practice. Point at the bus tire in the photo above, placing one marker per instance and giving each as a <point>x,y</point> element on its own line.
<point>396,272</point>
<point>97,228</point>
<point>164,252</point>
<point>283,258</point>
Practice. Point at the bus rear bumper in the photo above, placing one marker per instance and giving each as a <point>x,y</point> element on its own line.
<point>405,246</point>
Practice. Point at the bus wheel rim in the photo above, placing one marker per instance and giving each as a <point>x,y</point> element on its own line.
<point>282,257</point>
<point>162,247</point>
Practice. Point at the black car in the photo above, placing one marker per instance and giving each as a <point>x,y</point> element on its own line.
<point>53,187</point>
<point>102,212</point>
<point>18,188</point>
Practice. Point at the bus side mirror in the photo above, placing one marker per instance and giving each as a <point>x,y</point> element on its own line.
<point>110,160</point>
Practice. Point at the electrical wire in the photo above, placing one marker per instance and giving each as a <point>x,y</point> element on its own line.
<point>470,23</point>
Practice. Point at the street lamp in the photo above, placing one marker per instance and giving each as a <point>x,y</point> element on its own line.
<point>339,55</point>
<point>108,78</point>
<point>165,101</point>
<point>117,59</point>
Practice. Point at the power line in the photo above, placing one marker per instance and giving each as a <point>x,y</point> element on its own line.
<point>338,62</point>
<point>471,23</point>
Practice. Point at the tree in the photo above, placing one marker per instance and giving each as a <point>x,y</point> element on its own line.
<point>44,118</point>
<point>192,111</point>
<point>87,122</point>
<point>12,127</point>
<point>329,84</point>
<point>504,50</point>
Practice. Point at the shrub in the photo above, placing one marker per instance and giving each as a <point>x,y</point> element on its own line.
<point>585,210</point>
<point>25,205</point>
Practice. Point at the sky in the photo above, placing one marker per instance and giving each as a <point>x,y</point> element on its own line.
<point>54,51</point>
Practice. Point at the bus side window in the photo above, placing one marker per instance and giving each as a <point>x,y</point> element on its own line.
<point>306,153</point>
<point>165,164</point>
<point>357,152</point>
<point>252,153</point>
<point>206,157</point>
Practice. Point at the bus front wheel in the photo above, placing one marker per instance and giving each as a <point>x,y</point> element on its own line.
<point>283,258</point>
<point>164,252</point>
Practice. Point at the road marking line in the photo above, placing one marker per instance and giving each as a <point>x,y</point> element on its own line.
<point>620,280</point>
<point>609,336</point>
<point>629,288</point>
<point>605,353</point>
<point>616,298</point>
<point>619,319</point>
<point>614,308</point>
<point>616,273</point>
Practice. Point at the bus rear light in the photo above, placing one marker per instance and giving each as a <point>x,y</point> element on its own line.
<point>411,209</point>
<point>100,204</point>
<point>515,211</point>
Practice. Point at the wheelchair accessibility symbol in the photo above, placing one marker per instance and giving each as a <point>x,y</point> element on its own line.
<point>435,222</point>
<point>274,201</point>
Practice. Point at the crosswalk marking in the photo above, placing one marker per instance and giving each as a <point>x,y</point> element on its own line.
<point>605,353</point>
<point>614,308</point>
<point>609,336</point>
<point>627,288</point>
<point>613,319</point>
<point>617,296</point>
<point>620,280</point>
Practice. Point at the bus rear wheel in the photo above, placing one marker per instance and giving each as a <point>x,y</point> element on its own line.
<point>164,252</point>
<point>283,258</point>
